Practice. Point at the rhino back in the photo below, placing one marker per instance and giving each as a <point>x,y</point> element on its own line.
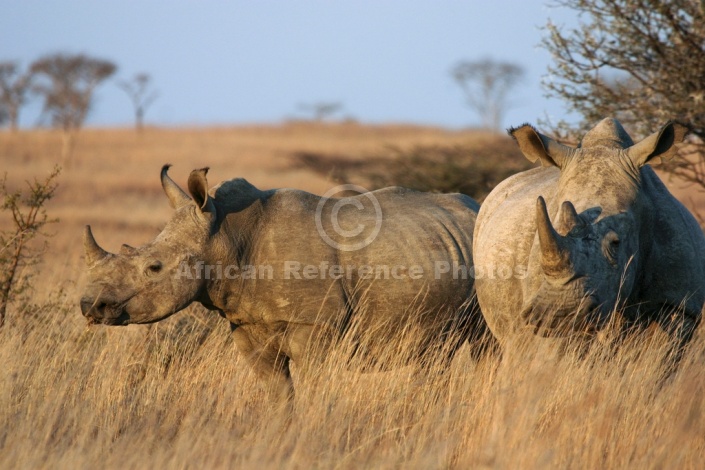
<point>418,230</point>
<point>422,234</point>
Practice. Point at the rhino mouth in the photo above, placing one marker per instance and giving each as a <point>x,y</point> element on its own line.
<point>121,320</point>
<point>97,312</point>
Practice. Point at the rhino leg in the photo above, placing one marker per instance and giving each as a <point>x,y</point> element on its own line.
<point>267,361</point>
<point>470,328</point>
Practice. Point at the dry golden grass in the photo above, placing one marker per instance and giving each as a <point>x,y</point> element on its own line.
<point>178,395</point>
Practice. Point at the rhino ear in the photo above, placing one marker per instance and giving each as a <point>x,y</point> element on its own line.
<point>661,144</point>
<point>177,197</point>
<point>536,146</point>
<point>198,187</point>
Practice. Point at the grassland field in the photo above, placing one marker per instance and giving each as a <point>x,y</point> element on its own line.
<point>177,395</point>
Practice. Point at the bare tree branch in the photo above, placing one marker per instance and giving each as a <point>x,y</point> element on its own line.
<point>28,218</point>
<point>641,61</point>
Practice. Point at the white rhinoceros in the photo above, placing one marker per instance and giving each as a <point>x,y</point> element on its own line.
<point>559,249</point>
<point>275,264</point>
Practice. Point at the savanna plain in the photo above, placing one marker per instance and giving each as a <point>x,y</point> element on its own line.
<point>177,394</point>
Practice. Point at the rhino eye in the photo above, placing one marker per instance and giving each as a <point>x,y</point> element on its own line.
<point>154,267</point>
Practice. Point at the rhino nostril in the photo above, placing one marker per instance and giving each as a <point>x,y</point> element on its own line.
<point>86,305</point>
<point>89,307</point>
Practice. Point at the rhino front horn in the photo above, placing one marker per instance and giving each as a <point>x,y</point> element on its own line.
<point>177,197</point>
<point>94,253</point>
<point>555,252</point>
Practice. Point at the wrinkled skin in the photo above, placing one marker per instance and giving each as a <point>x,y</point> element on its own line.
<point>591,232</point>
<point>277,319</point>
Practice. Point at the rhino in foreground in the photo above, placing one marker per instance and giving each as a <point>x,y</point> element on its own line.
<point>592,232</point>
<point>287,269</point>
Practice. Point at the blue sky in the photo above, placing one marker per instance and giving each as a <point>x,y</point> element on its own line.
<point>257,61</point>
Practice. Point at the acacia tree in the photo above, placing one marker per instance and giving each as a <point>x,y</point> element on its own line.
<point>67,84</point>
<point>641,61</point>
<point>486,84</point>
<point>14,88</point>
<point>142,97</point>
<point>321,110</point>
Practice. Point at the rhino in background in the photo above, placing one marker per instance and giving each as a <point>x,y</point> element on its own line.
<point>280,317</point>
<point>595,231</point>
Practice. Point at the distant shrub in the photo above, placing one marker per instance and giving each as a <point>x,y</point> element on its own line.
<point>27,214</point>
<point>473,169</point>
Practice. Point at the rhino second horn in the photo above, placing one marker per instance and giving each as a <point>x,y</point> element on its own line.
<point>177,197</point>
<point>569,218</point>
<point>555,252</point>
<point>94,252</point>
<point>128,250</point>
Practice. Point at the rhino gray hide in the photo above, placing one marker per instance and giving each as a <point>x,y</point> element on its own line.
<point>562,247</point>
<point>297,304</point>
